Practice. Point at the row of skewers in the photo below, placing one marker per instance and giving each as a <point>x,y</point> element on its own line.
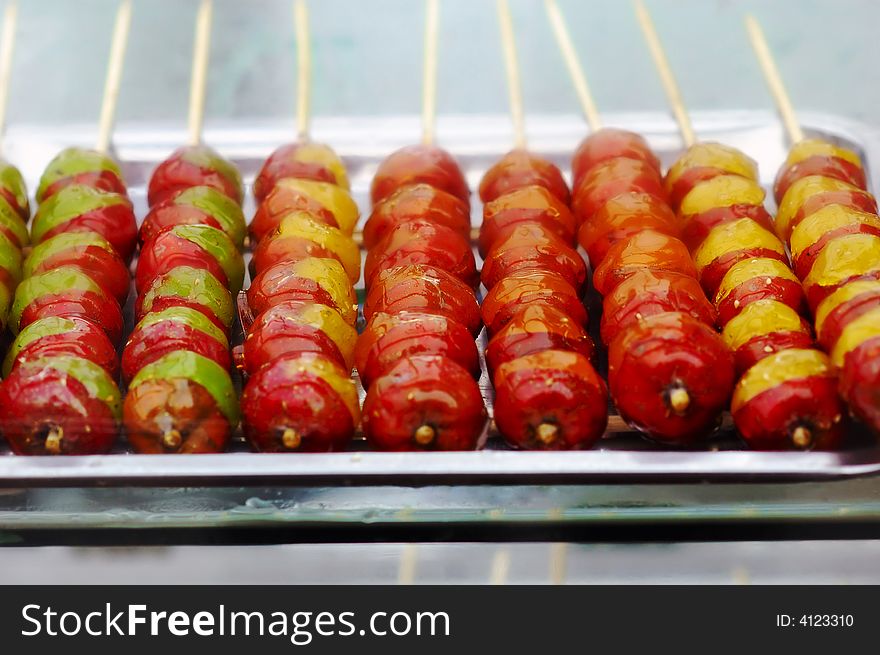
<point>703,309</point>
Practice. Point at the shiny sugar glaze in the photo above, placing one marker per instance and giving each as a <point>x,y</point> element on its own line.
<point>360,168</point>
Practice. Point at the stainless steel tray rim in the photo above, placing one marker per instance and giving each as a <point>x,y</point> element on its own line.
<point>477,139</point>
<point>425,468</point>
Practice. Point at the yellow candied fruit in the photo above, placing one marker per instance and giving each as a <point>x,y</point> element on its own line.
<point>336,199</point>
<point>712,155</point>
<point>749,269</point>
<point>780,367</point>
<point>318,153</point>
<point>331,276</point>
<point>855,334</point>
<point>847,256</point>
<point>744,234</point>
<point>760,318</point>
<point>798,193</point>
<point>826,220</point>
<point>722,191</point>
<point>330,322</point>
<point>301,224</point>
<point>817,147</point>
<point>344,387</point>
<point>844,294</point>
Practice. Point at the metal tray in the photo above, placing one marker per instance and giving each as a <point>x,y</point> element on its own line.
<point>623,456</point>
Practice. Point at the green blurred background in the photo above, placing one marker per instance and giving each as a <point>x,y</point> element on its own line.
<point>368,57</point>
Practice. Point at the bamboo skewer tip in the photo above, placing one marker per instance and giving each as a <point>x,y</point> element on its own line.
<point>115,64</point>
<point>429,72</point>
<point>302,29</point>
<point>198,79</point>
<point>511,65</point>
<point>664,69</point>
<point>773,79</point>
<point>573,64</point>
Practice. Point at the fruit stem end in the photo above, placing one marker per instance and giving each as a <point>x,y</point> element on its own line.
<point>424,435</point>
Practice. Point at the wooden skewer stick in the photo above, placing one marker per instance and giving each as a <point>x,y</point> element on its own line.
<point>670,86</point>
<point>429,73</point>
<point>774,80</point>
<point>514,87</point>
<point>303,69</point>
<point>500,567</point>
<point>575,70</point>
<point>7,47</point>
<point>558,562</point>
<point>115,64</point>
<point>199,78</point>
<point>406,571</point>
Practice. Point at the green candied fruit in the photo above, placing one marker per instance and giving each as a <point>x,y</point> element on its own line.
<point>206,157</point>
<point>188,316</point>
<point>11,221</point>
<point>75,161</point>
<point>43,327</point>
<point>196,285</point>
<point>52,282</point>
<point>221,207</point>
<point>94,378</point>
<point>199,369</point>
<point>220,247</point>
<point>13,184</point>
<point>10,259</point>
<point>59,243</point>
<point>5,301</point>
<point>72,201</point>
